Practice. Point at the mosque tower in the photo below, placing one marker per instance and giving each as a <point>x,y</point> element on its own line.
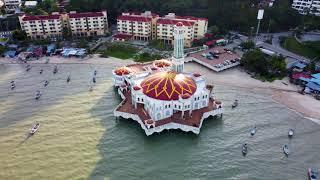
<point>178,54</point>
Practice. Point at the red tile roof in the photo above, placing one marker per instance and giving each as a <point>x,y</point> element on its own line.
<point>134,18</point>
<point>122,71</point>
<point>38,18</point>
<point>87,14</point>
<point>174,22</point>
<point>122,36</point>
<point>299,75</point>
<point>162,63</point>
<point>191,18</point>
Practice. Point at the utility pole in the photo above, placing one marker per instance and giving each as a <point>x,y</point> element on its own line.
<point>259,17</point>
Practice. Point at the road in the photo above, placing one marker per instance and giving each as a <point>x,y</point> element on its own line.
<point>275,46</point>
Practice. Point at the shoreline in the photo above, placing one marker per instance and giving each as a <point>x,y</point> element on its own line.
<point>282,91</point>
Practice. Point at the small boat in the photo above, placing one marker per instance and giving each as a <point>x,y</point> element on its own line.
<point>94,80</point>
<point>244,149</point>
<point>95,72</point>
<point>253,131</point>
<point>68,79</point>
<point>290,133</point>
<point>35,128</point>
<point>28,68</point>
<point>13,86</point>
<point>55,70</point>
<point>313,174</point>
<point>46,83</point>
<point>286,150</point>
<point>47,60</point>
<point>41,71</point>
<point>235,104</point>
<point>38,95</point>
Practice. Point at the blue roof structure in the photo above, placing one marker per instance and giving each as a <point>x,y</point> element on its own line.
<point>10,54</point>
<point>304,79</point>
<point>51,48</point>
<point>299,65</point>
<point>317,76</point>
<point>73,52</point>
<point>313,86</point>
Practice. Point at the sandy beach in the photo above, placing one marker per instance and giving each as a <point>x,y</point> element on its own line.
<point>281,91</point>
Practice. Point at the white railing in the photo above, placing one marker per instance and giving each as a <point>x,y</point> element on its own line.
<point>168,126</point>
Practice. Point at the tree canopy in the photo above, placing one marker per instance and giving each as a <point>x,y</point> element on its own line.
<point>266,67</point>
<point>237,15</point>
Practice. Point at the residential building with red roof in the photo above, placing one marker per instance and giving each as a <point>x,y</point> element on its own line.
<point>51,26</point>
<point>149,26</point>
<point>88,23</point>
<point>39,27</point>
<point>139,25</point>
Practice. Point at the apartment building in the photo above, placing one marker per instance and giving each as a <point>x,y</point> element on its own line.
<point>140,25</point>
<point>51,26</point>
<point>148,26</point>
<point>165,30</point>
<point>88,24</point>
<point>38,27</point>
<point>307,6</point>
<point>12,5</point>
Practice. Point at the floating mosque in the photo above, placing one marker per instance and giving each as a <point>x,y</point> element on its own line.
<point>161,96</point>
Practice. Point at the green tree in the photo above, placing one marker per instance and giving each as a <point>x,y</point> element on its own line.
<point>49,6</point>
<point>66,33</point>
<point>2,49</point>
<point>247,45</point>
<point>266,67</point>
<point>19,35</point>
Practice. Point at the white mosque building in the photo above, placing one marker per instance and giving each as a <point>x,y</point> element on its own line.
<point>161,96</point>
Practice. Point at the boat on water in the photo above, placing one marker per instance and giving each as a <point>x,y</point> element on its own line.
<point>95,72</point>
<point>41,71</point>
<point>68,79</point>
<point>244,149</point>
<point>253,131</point>
<point>46,83</point>
<point>34,129</point>
<point>28,68</point>
<point>13,86</point>
<point>290,133</point>
<point>286,150</point>
<point>38,95</point>
<point>235,104</point>
<point>94,80</point>
<point>55,70</point>
<point>313,174</point>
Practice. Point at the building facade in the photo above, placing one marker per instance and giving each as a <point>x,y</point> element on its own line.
<point>51,26</point>
<point>38,27</point>
<point>12,5</point>
<point>88,24</point>
<point>140,26</point>
<point>307,6</point>
<point>148,26</point>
